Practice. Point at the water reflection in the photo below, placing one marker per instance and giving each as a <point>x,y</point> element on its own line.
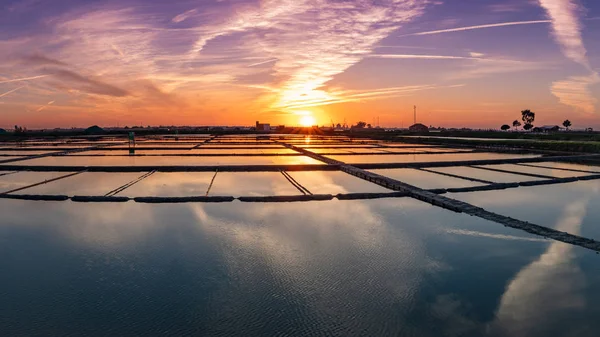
<point>317,268</point>
<point>541,204</point>
<point>168,161</point>
<point>357,159</point>
<point>539,297</point>
<point>171,185</point>
<point>252,184</point>
<point>334,182</point>
<point>425,179</point>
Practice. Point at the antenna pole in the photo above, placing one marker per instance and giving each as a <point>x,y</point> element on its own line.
<point>415,114</point>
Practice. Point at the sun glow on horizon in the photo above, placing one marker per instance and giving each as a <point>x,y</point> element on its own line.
<point>307,120</point>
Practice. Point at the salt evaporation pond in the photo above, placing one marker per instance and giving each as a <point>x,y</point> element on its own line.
<point>395,267</point>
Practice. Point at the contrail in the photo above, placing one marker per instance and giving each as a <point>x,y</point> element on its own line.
<point>11,91</point>
<point>426,57</point>
<point>23,79</point>
<point>45,106</point>
<point>491,25</point>
<point>264,62</point>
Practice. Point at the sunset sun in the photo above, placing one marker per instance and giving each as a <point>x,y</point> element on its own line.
<point>307,120</point>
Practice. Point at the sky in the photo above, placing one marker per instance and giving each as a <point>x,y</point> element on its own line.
<point>463,63</point>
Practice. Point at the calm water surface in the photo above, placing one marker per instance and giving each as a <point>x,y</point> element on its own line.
<point>390,267</point>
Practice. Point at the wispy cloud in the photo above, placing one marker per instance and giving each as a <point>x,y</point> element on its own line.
<point>90,85</point>
<point>566,29</point>
<point>183,16</point>
<point>575,91</point>
<point>475,65</point>
<point>314,41</point>
<point>405,47</point>
<point>265,55</point>
<point>492,235</point>
<point>40,60</point>
<point>547,288</point>
<point>345,96</point>
<point>491,25</point>
<point>508,7</point>
<point>481,67</point>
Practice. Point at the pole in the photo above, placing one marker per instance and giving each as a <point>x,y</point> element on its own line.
<point>415,115</point>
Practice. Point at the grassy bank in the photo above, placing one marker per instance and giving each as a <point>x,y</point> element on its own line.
<point>582,146</point>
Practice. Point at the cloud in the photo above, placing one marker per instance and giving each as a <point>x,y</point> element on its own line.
<point>105,51</point>
<point>183,16</point>
<point>491,66</point>
<point>41,60</point>
<point>506,8</point>
<point>90,85</point>
<point>566,29</point>
<point>543,292</point>
<point>346,96</point>
<point>575,91</point>
<point>406,47</point>
<point>313,40</point>
<point>492,235</point>
<point>491,25</point>
<point>478,66</point>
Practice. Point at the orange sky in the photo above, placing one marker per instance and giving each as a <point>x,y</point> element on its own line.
<point>463,63</point>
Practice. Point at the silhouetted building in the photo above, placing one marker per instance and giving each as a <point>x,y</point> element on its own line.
<point>418,128</point>
<point>547,128</point>
<point>262,127</point>
<point>94,130</point>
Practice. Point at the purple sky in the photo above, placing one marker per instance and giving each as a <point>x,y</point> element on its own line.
<point>463,62</point>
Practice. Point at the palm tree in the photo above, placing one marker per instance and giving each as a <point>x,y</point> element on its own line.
<point>567,124</point>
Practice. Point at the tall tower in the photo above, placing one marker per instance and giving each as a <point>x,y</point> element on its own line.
<point>415,115</point>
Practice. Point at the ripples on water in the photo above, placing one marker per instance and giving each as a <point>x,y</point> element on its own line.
<point>394,267</point>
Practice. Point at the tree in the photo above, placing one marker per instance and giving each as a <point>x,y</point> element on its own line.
<point>505,127</point>
<point>369,126</point>
<point>528,117</point>
<point>567,124</point>
<point>360,125</point>
<point>516,124</point>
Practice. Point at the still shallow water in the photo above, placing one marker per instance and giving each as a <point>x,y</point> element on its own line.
<point>389,267</point>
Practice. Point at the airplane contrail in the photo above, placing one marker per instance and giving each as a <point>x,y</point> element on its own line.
<point>45,106</point>
<point>11,91</point>
<point>426,57</point>
<point>491,25</point>
<point>23,79</point>
<point>264,62</point>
